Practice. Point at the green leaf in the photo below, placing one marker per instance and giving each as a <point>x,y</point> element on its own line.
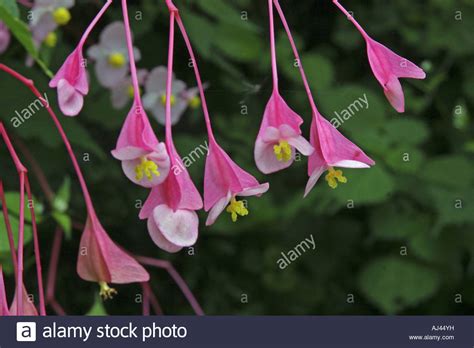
<point>22,33</point>
<point>226,13</point>
<point>4,246</point>
<point>393,284</point>
<point>201,32</point>
<point>11,7</point>
<point>406,131</point>
<point>13,204</point>
<point>64,221</point>
<point>405,160</point>
<point>61,200</point>
<point>244,47</point>
<point>319,70</point>
<point>365,186</point>
<point>450,171</point>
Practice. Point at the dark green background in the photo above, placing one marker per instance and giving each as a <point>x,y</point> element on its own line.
<point>398,204</point>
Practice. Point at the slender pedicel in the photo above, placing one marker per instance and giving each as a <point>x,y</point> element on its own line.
<point>350,17</point>
<point>93,23</point>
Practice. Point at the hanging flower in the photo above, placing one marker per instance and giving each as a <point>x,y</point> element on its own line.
<point>332,150</point>
<point>110,55</point>
<point>224,181</point>
<point>72,84</point>
<point>101,260</point>
<point>123,91</point>
<point>5,37</point>
<point>154,98</point>
<point>387,66</point>
<point>279,136</point>
<point>29,308</point>
<point>171,208</point>
<point>145,160</point>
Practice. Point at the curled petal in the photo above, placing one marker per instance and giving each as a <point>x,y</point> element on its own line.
<point>217,209</point>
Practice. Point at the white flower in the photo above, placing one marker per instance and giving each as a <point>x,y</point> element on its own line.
<point>47,15</point>
<point>154,99</point>
<point>122,92</point>
<point>111,55</point>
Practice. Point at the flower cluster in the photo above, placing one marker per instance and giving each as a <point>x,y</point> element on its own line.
<point>173,201</point>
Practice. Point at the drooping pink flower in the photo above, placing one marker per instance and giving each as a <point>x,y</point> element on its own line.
<point>145,160</point>
<point>101,260</point>
<point>3,296</point>
<point>387,66</point>
<point>29,308</point>
<point>72,84</point>
<point>224,180</point>
<point>332,149</point>
<point>5,37</point>
<point>171,208</point>
<point>71,79</point>
<point>279,136</point>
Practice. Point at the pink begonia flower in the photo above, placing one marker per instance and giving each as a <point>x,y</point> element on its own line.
<point>387,66</point>
<point>278,137</point>
<point>224,180</point>
<point>72,84</point>
<point>71,79</point>
<point>155,96</point>
<point>123,91</point>
<point>29,308</point>
<point>145,160</point>
<point>170,208</point>
<point>110,55</point>
<point>5,37</point>
<point>4,311</point>
<point>101,260</point>
<point>332,149</point>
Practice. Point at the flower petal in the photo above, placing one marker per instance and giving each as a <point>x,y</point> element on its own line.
<point>266,160</point>
<point>70,101</point>
<point>179,227</point>
<point>313,179</point>
<point>301,144</point>
<point>217,209</point>
<point>159,239</point>
<point>255,191</point>
<point>394,93</point>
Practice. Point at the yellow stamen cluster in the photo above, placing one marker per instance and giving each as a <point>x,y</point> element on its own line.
<point>236,208</point>
<point>116,60</point>
<point>106,292</point>
<point>130,91</point>
<point>163,100</point>
<point>51,39</point>
<point>61,16</point>
<point>333,176</point>
<point>194,102</point>
<point>282,151</point>
<point>146,168</point>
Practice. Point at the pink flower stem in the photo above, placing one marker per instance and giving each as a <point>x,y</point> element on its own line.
<point>53,265</point>
<point>39,271</point>
<point>145,300</point>
<point>273,47</point>
<point>29,83</point>
<point>93,24</point>
<point>131,55</point>
<point>297,56</point>
<point>169,80</point>
<point>3,299</point>
<point>176,277</point>
<point>351,18</point>
<point>8,226</point>
<point>189,47</point>
<point>21,229</point>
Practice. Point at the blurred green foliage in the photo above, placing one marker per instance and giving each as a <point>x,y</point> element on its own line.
<point>397,238</point>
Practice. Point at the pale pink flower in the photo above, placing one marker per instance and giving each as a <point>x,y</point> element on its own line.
<point>145,160</point>
<point>224,180</point>
<point>279,136</point>
<point>171,208</point>
<point>123,91</point>
<point>155,96</point>
<point>332,149</point>
<point>5,37</point>
<point>72,84</point>
<point>110,55</point>
<point>101,260</point>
